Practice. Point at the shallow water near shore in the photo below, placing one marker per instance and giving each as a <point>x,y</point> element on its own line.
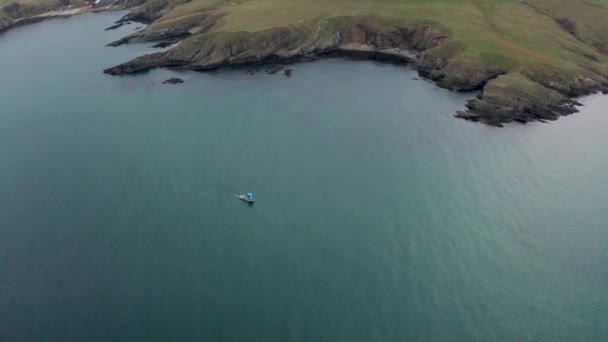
<point>379,216</point>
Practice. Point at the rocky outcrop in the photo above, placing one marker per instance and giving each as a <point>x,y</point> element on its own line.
<point>114,27</point>
<point>274,69</point>
<point>454,75</point>
<point>141,13</point>
<point>514,97</point>
<point>173,80</point>
<point>353,36</point>
<point>177,31</point>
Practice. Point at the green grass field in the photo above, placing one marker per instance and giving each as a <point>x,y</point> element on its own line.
<point>510,35</point>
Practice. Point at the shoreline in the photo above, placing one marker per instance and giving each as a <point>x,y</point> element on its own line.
<point>487,107</point>
<point>504,96</point>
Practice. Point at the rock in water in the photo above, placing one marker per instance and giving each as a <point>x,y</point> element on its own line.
<point>173,80</point>
<point>274,69</point>
<point>288,72</point>
<point>251,72</point>
<point>113,27</point>
<point>467,116</point>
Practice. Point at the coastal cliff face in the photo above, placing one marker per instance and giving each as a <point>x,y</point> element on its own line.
<point>360,36</point>
<point>526,70</point>
<point>366,37</point>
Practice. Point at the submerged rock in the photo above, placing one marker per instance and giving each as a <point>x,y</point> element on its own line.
<point>274,69</point>
<point>467,116</point>
<point>288,72</point>
<point>173,80</point>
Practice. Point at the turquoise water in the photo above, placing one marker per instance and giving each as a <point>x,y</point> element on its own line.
<point>379,216</point>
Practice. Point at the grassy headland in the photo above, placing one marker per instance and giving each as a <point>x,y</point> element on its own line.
<point>516,51</point>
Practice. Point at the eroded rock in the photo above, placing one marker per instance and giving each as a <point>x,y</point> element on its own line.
<point>114,27</point>
<point>173,80</point>
<point>274,69</point>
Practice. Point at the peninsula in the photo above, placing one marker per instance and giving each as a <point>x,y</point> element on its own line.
<point>528,58</point>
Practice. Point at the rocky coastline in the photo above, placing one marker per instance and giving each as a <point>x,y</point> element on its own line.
<point>506,94</point>
<point>504,97</point>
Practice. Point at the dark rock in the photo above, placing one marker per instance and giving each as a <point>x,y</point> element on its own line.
<point>592,57</point>
<point>124,19</point>
<point>137,28</point>
<point>173,80</point>
<point>143,14</point>
<point>163,44</point>
<point>242,48</point>
<point>143,63</point>
<point>288,72</point>
<point>251,71</point>
<point>114,27</point>
<point>467,116</point>
<point>568,25</point>
<point>274,69</point>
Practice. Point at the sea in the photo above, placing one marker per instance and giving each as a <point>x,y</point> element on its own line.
<point>378,215</point>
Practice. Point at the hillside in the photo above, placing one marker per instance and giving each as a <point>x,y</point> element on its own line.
<point>529,57</point>
<point>14,12</point>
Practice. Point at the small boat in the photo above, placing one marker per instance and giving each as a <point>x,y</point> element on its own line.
<point>248,197</point>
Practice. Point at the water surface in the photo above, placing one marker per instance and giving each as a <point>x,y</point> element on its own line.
<point>379,216</point>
